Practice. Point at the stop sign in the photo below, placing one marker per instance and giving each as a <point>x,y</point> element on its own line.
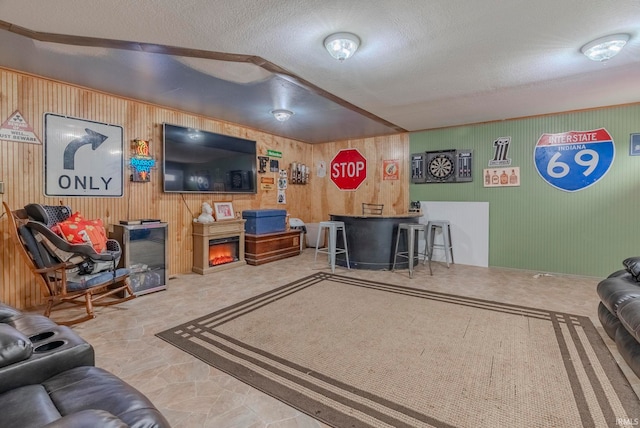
<point>348,169</point>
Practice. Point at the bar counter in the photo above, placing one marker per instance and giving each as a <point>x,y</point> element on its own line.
<point>371,240</point>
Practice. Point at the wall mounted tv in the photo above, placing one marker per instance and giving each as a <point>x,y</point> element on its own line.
<point>206,162</point>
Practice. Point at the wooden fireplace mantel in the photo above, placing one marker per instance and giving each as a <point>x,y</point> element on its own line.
<point>204,232</point>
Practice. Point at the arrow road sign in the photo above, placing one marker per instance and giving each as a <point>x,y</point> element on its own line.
<point>92,137</point>
<point>82,158</point>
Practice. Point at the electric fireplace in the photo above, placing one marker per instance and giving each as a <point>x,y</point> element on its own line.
<point>223,250</point>
<point>218,245</point>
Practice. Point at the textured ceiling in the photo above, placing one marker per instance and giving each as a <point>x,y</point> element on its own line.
<point>422,64</point>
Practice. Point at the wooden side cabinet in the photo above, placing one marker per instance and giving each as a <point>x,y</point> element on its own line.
<point>269,247</point>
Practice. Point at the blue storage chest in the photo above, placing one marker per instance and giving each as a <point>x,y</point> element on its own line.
<point>264,221</point>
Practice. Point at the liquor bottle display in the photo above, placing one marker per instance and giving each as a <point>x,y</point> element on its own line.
<point>513,178</point>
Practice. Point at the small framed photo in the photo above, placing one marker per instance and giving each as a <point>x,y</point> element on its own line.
<point>634,145</point>
<point>223,211</point>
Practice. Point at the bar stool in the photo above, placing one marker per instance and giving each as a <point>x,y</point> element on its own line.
<point>331,249</point>
<point>411,230</point>
<point>432,228</point>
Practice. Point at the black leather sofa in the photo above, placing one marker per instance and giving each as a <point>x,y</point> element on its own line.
<point>48,379</point>
<point>619,310</point>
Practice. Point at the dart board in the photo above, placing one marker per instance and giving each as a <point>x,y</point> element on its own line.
<point>236,181</point>
<point>441,166</point>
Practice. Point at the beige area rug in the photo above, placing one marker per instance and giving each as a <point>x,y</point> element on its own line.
<point>356,353</point>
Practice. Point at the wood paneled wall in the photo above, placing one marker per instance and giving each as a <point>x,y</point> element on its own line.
<point>22,172</point>
<point>328,199</point>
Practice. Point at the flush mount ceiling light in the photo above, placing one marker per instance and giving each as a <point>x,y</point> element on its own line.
<point>281,115</point>
<point>342,45</point>
<point>605,48</point>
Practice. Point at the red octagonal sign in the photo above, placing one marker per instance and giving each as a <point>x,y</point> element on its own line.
<point>348,169</point>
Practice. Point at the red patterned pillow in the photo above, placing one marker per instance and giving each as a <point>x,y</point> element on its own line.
<point>77,230</point>
<point>76,217</point>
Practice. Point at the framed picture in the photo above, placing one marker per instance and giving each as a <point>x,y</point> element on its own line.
<point>634,145</point>
<point>223,211</point>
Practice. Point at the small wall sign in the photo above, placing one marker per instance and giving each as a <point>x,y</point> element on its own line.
<point>501,177</point>
<point>141,161</point>
<point>267,183</point>
<point>501,151</point>
<point>391,169</point>
<point>263,160</point>
<point>17,129</point>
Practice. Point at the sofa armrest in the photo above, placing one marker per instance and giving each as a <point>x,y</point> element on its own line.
<point>7,312</point>
<point>88,418</point>
<point>85,388</point>
<point>632,265</point>
<point>32,324</point>
<point>54,351</point>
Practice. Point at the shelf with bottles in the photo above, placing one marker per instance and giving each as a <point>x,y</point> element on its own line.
<point>298,173</point>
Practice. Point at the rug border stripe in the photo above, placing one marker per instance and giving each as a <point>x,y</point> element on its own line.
<point>260,382</point>
<point>625,392</point>
<point>334,382</point>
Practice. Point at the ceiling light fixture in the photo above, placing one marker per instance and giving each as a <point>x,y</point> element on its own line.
<point>605,48</point>
<point>281,115</point>
<point>342,45</point>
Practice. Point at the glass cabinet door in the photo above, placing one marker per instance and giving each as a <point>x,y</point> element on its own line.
<point>144,253</point>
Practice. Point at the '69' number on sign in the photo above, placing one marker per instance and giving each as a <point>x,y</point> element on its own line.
<point>574,160</point>
<point>559,169</point>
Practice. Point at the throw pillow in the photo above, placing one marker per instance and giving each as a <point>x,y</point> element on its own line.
<point>632,265</point>
<point>77,230</point>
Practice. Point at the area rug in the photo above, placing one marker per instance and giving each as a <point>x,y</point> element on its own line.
<point>357,353</point>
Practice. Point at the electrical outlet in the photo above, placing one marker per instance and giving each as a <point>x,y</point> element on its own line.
<point>1,187</point>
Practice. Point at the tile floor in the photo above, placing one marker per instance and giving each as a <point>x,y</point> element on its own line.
<point>192,394</point>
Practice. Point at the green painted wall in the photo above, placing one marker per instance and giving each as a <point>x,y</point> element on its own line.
<point>536,226</point>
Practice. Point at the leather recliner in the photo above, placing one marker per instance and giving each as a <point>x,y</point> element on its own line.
<point>619,310</point>
<point>48,379</point>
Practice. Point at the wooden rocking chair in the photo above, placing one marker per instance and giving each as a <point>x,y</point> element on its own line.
<point>58,284</point>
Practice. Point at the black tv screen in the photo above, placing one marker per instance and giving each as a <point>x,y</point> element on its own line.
<point>206,162</point>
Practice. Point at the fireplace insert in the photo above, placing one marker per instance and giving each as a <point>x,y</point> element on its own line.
<point>224,250</point>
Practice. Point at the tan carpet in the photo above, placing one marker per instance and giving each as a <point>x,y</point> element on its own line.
<point>355,353</point>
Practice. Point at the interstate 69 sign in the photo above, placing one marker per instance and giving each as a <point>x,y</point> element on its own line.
<point>574,160</point>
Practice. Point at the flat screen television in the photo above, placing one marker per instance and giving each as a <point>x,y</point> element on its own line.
<point>206,162</point>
